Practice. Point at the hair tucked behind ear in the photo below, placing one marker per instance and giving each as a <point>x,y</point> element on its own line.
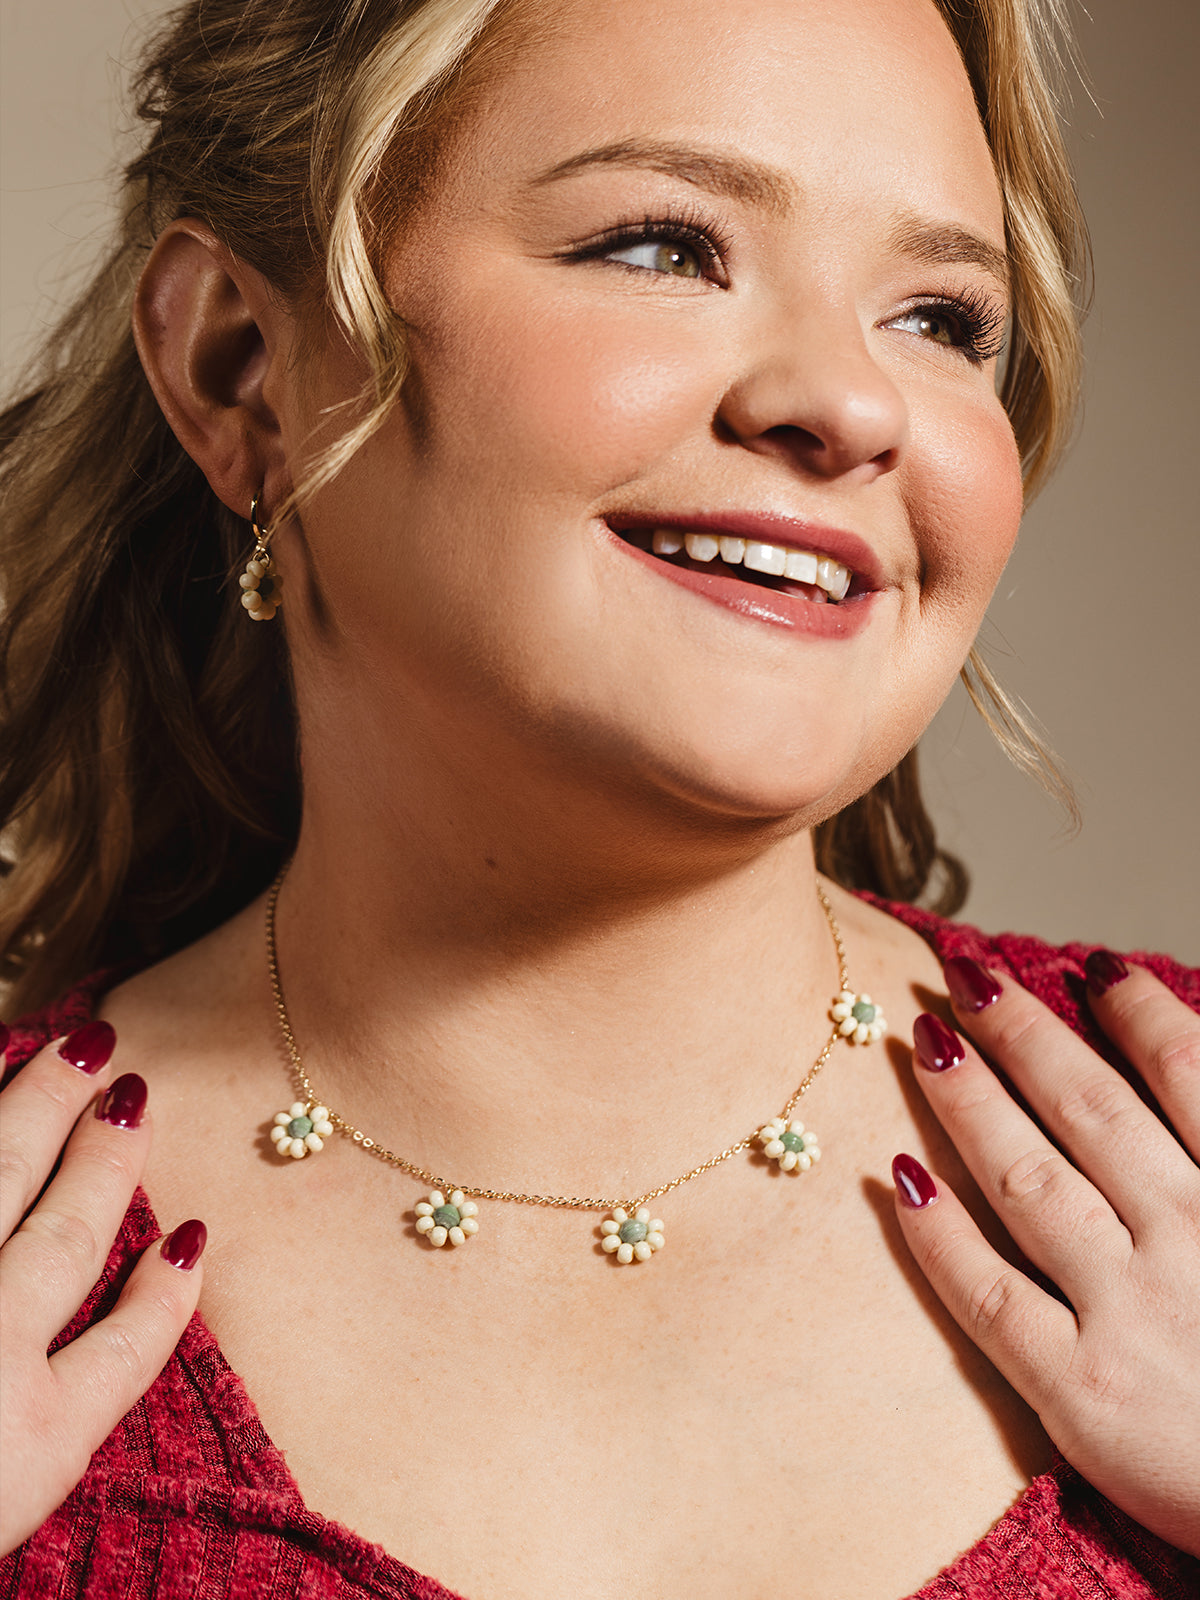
<point>149,781</point>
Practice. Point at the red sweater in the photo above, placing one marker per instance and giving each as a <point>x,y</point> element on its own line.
<point>188,1499</point>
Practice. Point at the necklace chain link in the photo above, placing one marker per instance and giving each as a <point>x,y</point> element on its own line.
<point>303,1084</point>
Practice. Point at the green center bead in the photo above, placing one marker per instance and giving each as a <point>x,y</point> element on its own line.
<point>862,1012</point>
<point>792,1141</point>
<point>300,1127</point>
<point>632,1232</point>
<point>447,1216</point>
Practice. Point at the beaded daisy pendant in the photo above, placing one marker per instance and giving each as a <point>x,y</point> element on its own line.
<point>858,1018</point>
<point>445,1220</point>
<point>631,1238</point>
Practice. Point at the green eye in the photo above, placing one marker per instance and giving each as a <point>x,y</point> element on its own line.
<point>661,255</point>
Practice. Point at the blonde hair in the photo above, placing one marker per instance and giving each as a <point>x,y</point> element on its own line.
<point>148,773</point>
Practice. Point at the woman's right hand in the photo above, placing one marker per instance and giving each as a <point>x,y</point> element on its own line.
<point>65,1115</point>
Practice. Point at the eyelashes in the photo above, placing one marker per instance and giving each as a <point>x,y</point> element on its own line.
<point>974,321</point>
<point>682,227</point>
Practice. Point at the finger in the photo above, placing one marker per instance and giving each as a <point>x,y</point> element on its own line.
<point>100,1375</point>
<point>1087,1107</point>
<point>1061,1221</point>
<point>40,1107</point>
<point>1027,1334</point>
<point>59,1251</point>
<point>1154,1030</point>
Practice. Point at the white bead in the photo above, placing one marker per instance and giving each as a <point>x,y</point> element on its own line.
<point>437,1236</point>
<point>656,1225</point>
<point>323,1128</point>
<point>609,1226</point>
<point>847,1027</point>
<point>775,1148</point>
<point>425,1223</point>
<point>255,568</point>
<point>625,1253</point>
<point>456,1236</point>
<point>655,1238</point>
<point>456,1200</point>
<point>469,1208</point>
<point>279,1131</point>
<point>787,1160</point>
<point>436,1198</point>
<point>314,1141</point>
<point>423,1208</point>
<point>297,1149</point>
<point>642,1214</point>
<point>803,1161</point>
<point>263,614</point>
<point>298,1109</point>
<point>469,1225</point>
<point>609,1243</point>
<point>620,1214</point>
<point>251,599</point>
<point>247,581</point>
<point>643,1251</point>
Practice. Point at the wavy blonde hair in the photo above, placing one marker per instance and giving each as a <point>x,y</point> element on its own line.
<point>148,774</point>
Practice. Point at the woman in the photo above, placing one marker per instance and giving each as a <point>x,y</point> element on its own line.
<point>551,926</point>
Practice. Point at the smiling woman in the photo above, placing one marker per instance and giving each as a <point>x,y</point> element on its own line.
<point>600,410</point>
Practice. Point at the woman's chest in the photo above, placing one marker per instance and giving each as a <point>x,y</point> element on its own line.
<point>773,1397</point>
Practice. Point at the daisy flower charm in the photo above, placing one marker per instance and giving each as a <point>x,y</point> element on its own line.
<point>301,1129</point>
<point>631,1238</point>
<point>445,1221</point>
<point>793,1145</point>
<point>858,1018</point>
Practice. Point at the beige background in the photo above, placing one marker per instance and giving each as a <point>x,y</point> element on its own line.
<point>1094,622</point>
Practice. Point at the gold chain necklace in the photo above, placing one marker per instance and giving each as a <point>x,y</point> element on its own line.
<point>629,1233</point>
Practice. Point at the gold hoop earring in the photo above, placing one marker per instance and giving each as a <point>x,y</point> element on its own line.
<point>261,583</point>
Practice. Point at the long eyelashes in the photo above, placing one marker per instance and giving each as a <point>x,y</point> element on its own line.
<point>697,233</point>
<point>977,319</point>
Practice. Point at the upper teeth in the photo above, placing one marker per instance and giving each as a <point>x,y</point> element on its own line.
<point>781,562</point>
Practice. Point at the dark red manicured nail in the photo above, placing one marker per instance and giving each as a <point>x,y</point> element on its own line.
<point>89,1048</point>
<point>938,1047</point>
<point>1104,970</point>
<point>972,987</point>
<point>124,1101</point>
<point>913,1184</point>
<point>4,1038</point>
<point>185,1246</point>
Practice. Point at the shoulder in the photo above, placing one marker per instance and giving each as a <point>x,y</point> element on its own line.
<point>1053,973</point>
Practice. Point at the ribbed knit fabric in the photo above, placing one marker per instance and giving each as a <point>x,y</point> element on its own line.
<point>188,1499</point>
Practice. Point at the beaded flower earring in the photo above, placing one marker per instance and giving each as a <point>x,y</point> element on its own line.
<point>262,585</point>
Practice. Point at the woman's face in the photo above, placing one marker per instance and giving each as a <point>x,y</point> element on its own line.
<point>726,267</point>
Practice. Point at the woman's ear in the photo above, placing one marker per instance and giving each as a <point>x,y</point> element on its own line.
<point>210,337</point>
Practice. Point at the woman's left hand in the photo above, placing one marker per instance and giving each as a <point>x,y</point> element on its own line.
<point>1114,1222</point>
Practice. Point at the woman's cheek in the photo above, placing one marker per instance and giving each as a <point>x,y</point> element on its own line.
<point>969,488</point>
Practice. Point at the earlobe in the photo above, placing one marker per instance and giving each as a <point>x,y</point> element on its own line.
<point>208,332</point>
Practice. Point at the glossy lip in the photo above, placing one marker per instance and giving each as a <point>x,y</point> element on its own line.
<point>757,602</point>
<point>767,528</point>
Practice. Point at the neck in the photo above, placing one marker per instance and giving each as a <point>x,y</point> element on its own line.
<point>575,981</point>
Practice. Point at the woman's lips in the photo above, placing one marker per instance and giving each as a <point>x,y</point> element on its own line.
<point>802,607</point>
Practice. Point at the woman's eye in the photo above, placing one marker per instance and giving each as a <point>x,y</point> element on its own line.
<point>661,255</point>
<point>929,323</point>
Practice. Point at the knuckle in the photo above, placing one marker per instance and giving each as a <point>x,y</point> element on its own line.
<point>127,1353</point>
<point>1012,1027</point>
<point>1038,1175</point>
<point>1096,1102</point>
<point>1178,1056</point>
<point>17,1175</point>
<point>990,1301</point>
<point>66,1241</point>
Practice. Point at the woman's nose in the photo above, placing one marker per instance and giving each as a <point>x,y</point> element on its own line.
<point>813,393</point>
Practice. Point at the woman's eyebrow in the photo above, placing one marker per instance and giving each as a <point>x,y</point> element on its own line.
<point>949,244</point>
<point>750,181</point>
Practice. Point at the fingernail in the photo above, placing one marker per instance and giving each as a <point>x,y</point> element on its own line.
<point>124,1101</point>
<point>913,1184</point>
<point>938,1047</point>
<point>89,1048</point>
<point>1104,970</point>
<point>185,1246</point>
<point>972,987</point>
